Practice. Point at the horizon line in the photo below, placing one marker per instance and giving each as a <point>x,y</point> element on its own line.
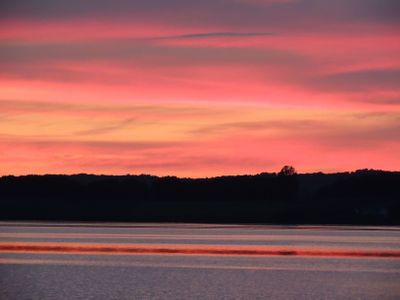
<point>203,177</point>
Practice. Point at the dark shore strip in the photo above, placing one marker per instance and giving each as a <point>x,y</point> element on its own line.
<point>338,227</point>
<point>191,250</point>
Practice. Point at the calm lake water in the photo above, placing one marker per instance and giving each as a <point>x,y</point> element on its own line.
<point>59,275</point>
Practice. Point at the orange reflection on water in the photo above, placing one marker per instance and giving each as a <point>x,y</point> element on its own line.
<point>162,249</point>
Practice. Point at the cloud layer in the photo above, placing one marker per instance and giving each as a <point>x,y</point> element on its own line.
<point>198,88</point>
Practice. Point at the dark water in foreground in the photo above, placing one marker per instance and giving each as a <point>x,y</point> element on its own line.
<point>106,276</point>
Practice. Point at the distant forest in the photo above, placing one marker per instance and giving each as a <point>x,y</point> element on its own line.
<point>360,197</point>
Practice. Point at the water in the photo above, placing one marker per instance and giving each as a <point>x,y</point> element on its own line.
<point>169,276</point>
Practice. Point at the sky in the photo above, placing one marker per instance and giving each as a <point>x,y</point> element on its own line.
<point>198,88</point>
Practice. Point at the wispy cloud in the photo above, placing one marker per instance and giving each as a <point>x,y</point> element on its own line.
<point>176,111</point>
<point>108,128</point>
<point>360,80</point>
<point>217,35</point>
<point>256,126</point>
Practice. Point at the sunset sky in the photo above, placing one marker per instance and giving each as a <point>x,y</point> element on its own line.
<point>198,88</point>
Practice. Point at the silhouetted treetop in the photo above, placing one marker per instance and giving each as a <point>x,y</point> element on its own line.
<point>287,171</point>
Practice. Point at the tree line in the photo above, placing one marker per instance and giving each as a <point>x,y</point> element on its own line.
<point>361,197</point>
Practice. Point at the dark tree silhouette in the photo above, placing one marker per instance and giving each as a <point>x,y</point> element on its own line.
<point>361,197</point>
<point>287,171</point>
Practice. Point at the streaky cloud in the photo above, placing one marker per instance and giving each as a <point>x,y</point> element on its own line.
<point>361,80</point>
<point>217,35</point>
<point>109,128</point>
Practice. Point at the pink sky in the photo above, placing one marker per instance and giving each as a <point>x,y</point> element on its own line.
<point>199,88</point>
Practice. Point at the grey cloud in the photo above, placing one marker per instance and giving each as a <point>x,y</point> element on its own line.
<point>218,34</point>
<point>385,100</point>
<point>308,13</point>
<point>139,52</point>
<point>173,161</point>
<point>359,138</point>
<point>359,80</point>
<point>359,134</point>
<point>34,61</point>
<point>373,115</point>
<point>324,133</point>
<point>133,111</point>
<point>109,128</point>
<point>33,106</point>
<point>107,146</point>
<point>233,127</point>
